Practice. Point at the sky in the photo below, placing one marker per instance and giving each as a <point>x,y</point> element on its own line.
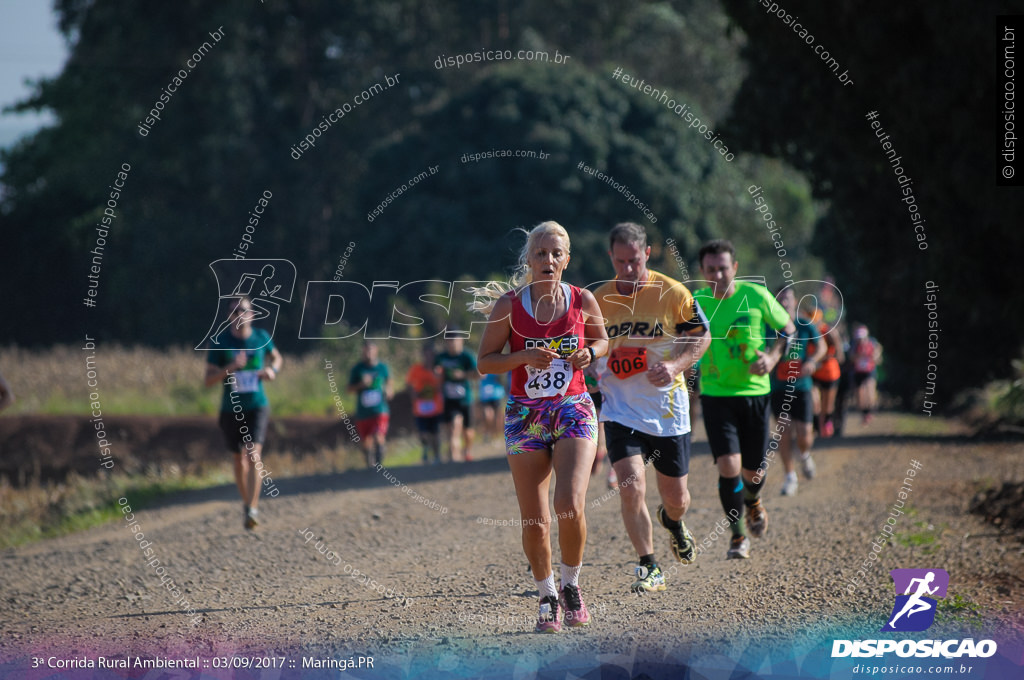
<point>30,47</point>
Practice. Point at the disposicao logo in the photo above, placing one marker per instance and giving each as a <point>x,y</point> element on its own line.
<point>915,608</point>
<point>917,591</point>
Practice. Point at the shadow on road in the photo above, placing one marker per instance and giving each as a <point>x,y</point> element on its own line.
<point>412,475</point>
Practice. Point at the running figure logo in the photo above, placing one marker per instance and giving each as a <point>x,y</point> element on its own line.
<point>915,608</point>
<point>262,281</point>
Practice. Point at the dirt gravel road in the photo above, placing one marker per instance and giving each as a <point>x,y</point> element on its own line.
<point>458,602</point>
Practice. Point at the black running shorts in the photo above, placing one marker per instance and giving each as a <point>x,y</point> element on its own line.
<point>738,425</point>
<point>237,426</point>
<point>452,407</point>
<point>825,384</point>
<point>798,403</point>
<point>428,425</point>
<point>670,455</point>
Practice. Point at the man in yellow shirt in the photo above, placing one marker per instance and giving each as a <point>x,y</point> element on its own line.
<point>656,332</point>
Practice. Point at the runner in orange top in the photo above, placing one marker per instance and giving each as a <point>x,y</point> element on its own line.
<point>427,404</point>
<point>826,380</point>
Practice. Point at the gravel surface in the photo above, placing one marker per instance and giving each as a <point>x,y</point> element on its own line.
<point>456,588</point>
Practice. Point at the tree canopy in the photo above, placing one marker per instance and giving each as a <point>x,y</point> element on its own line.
<point>359,84</point>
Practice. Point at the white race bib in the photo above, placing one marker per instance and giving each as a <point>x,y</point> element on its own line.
<point>247,381</point>
<point>454,390</point>
<point>551,382</point>
<point>370,398</point>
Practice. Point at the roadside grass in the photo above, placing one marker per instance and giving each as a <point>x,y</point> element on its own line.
<point>916,425</point>
<point>38,511</point>
<point>169,381</point>
<point>960,611</point>
<point>165,382</point>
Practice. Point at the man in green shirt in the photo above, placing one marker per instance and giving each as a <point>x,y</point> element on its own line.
<point>370,380</point>
<point>735,388</point>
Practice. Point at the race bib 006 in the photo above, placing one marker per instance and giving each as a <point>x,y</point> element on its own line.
<point>627,361</point>
<point>550,382</point>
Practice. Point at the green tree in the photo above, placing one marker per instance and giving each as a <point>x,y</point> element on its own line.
<point>929,72</point>
<point>460,221</point>
<point>228,132</point>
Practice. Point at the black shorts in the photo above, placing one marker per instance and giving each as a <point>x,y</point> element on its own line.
<point>237,426</point>
<point>596,397</point>
<point>738,425</point>
<point>670,455</point>
<point>825,384</point>
<point>860,378</point>
<point>454,406</point>
<point>428,425</point>
<point>800,404</point>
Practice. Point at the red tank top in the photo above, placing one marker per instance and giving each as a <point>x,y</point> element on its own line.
<point>864,356</point>
<point>565,335</point>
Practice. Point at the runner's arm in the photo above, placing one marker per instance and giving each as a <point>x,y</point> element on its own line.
<point>355,384</point>
<point>595,335</point>
<point>694,338</point>
<point>271,371</point>
<point>216,374</point>
<point>833,338</point>
<point>813,363</point>
<point>766,361</point>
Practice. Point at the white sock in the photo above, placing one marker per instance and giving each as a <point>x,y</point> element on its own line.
<point>570,575</point>
<point>547,587</point>
<point>804,454</point>
<point>791,475</point>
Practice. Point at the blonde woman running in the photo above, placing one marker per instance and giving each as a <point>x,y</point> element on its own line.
<point>554,332</point>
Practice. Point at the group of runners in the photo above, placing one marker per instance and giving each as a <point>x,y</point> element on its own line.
<point>441,389</point>
<point>638,338</point>
<point>641,333</point>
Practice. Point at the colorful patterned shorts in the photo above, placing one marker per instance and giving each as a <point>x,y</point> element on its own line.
<point>536,424</point>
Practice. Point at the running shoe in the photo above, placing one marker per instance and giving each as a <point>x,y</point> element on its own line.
<point>789,486</point>
<point>739,549</point>
<point>808,466</point>
<point>648,579</point>
<point>830,429</point>
<point>613,481</point>
<point>576,613</point>
<point>547,620</point>
<point>683,545</point>
<point>757,519</point>
<point>251,518</point>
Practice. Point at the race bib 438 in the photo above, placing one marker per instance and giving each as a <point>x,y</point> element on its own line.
<point>550,382</point>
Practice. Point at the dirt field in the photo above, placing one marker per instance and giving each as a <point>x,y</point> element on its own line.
<point>458,602</point>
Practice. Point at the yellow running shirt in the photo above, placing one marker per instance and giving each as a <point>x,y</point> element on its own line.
<point>641,330</point>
